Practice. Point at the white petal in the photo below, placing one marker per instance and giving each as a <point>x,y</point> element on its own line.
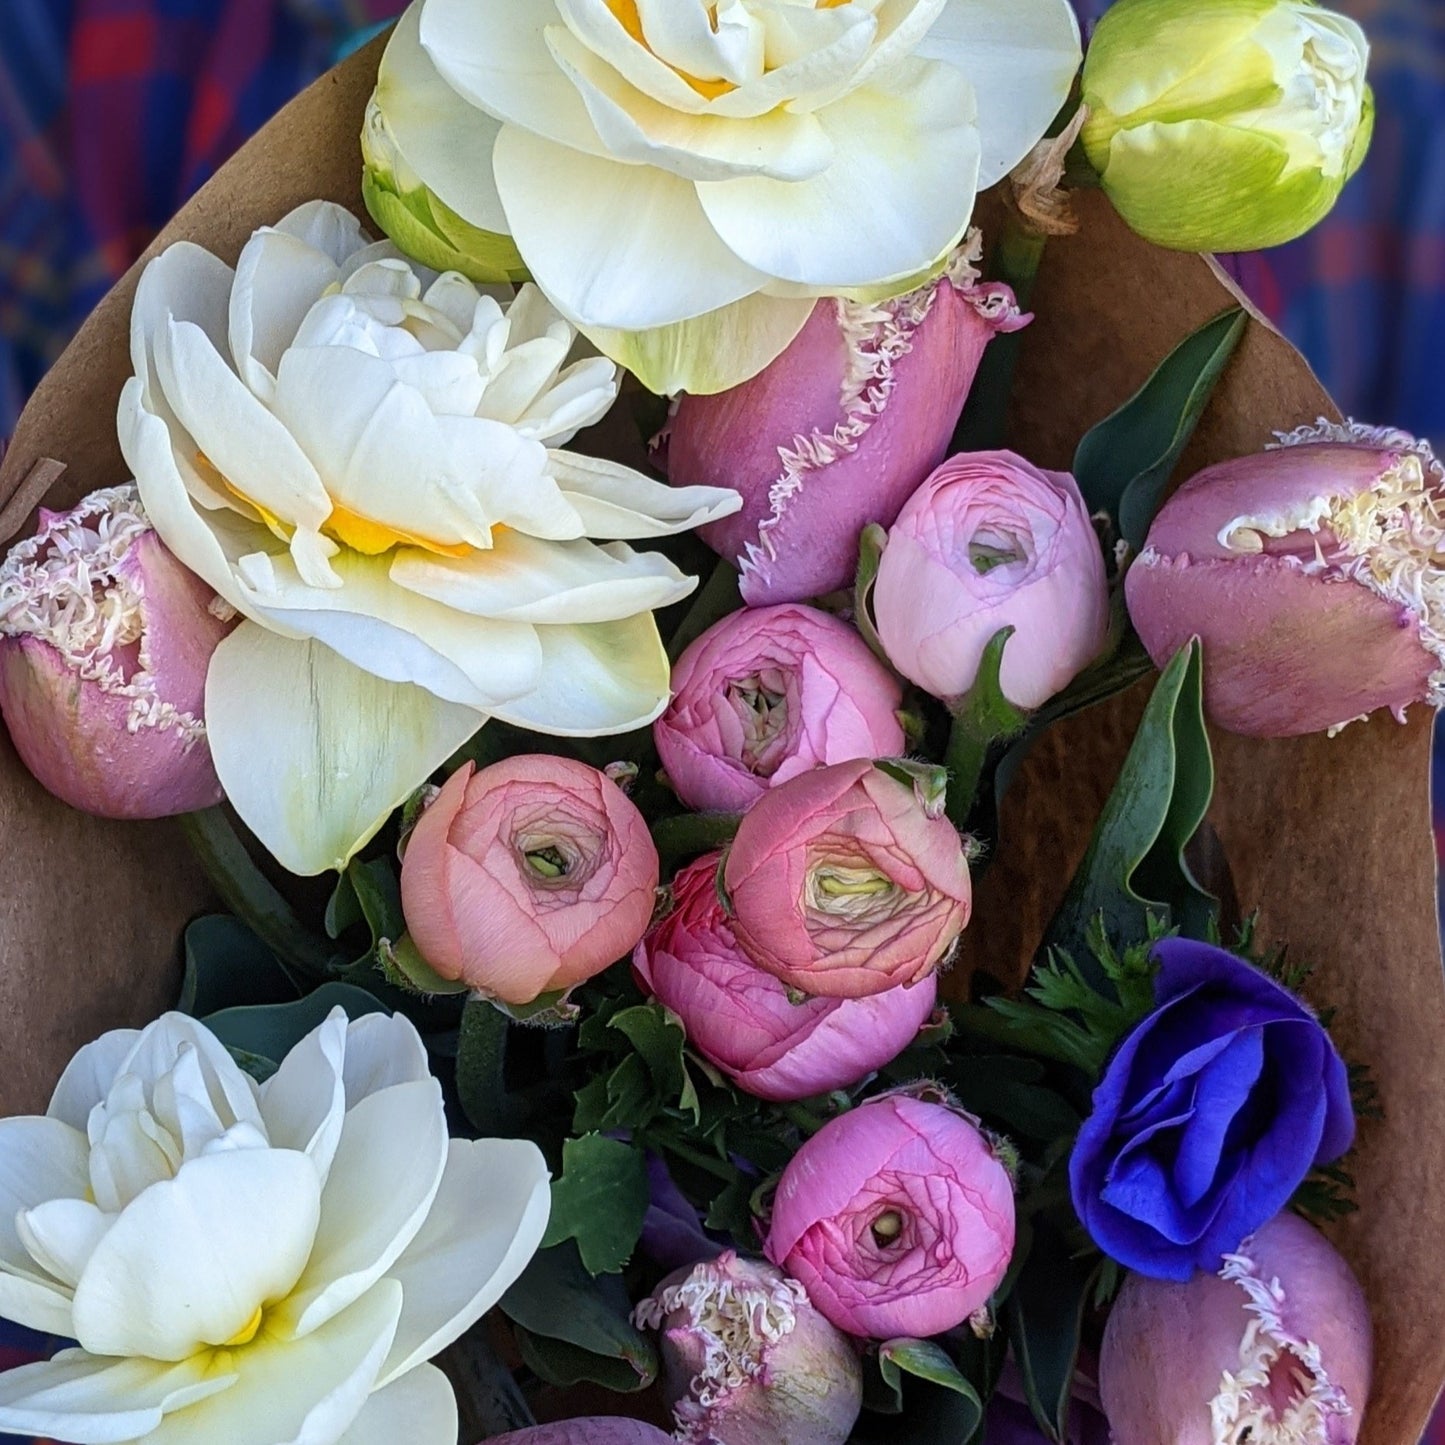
<point>61,1235</point>
<point>493,53</point>
<point>229,1089</point>
<point>450,382</point>
<point>382,1050</point>
<point>129,1151</point>
<point>36,1306</point>
<point>597,679</point>
<point>581,395</point>
<point>814,56</point>
<point>595,27</point>
<point>89,1075</point>
<point>314,753</point>
<point>446,140</point>
<point>784,144</point>
<point>420,1408</point>
<point>304,1101</point>
<point>1021,57</point>
<point>488,1218</point>
<point>526,580</point>
<point>189,1261</point>
<point>40,1159</point>
<point>185,282</point>
<point>617,502</point>
<point>241,438</point>
<point>295,1391</point>
<point>898,194</point>
<point>637,249</point>
<point>386,1173</point>
<point>97,1401</point>
<point>326,227</point>
<point>278,279</point>
<point>720,42</point>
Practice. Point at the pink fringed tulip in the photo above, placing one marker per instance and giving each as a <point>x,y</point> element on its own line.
<point>747,1360</point>
<point>591,1430</point>
<point>1313,573</point>
<point>741,1019</point>
<point>843,886</point>
<point>897,1218</point>
<point>104,644</point>
<point>839,430</point>
<point>528,877</point>
<point>989,541</point>
<point>767,694</point>
<point>1274,1349</point>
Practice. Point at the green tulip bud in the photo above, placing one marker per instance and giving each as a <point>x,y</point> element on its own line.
<point>1225,125</point>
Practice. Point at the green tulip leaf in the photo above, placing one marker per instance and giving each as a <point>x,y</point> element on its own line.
<point>227,966</point>
<point>599,1201</point>
<point>1124,463</point>
<point>271,1031</point>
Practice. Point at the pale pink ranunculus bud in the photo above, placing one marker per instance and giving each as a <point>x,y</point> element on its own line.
<point>741,1019</point>
<point>989,541</point>
<point>897,1218</point>
<point>105,640</point>
<point>842,885</point>
<point>1313,572</point>
<point>768,693</point>
<point>589,1430</point>
<point>839,430</point>
<point>748,1360</point>
<point>1275,1349</point>
<point>528,877</point>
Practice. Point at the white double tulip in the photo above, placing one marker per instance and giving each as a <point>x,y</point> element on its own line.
<point>252,1265</point>
<point>656,160</point>
<point>362,458</point>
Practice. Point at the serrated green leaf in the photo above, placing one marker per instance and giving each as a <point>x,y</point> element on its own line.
<point>271,1031</point>
<point>556,1299</point>
<point>660,1040</point>
<point>1135,864</point>
<point>599,1201</point>
<point>227,966</point>
<point>1123,464</point>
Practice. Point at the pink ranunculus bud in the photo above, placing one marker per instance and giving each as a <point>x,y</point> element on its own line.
<point>839,430</point>
<point>528,877</point>
<point>104,644</point>
<point>747,1360</point>
<point>842,886</point>
<point>589,1430</point>
<point>1274,1349</point>
<point>1313,572</point>
<point>741,1019</point>
<point>989,541</point>
<point>897,1218</point>
<point>767,694</point>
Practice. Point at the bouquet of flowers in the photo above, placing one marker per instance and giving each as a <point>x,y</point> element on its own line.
<point>753,865</point>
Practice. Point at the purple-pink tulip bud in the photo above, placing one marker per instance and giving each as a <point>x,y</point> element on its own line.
<point>1274,1349</point>
<point>989,541</point>
<point>897,1218</point>
<point>591,1430</point>
<point>1313,574</point>
<point>747,1360</point>
<point>742,1020</point>
<point>839,430</point>
<point>104,644</point>
<point>769,693</point>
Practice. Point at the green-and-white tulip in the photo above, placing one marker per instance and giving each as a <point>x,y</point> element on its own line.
<point>1226,125</point>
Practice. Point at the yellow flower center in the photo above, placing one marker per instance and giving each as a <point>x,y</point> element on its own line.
<point>247,1332</point>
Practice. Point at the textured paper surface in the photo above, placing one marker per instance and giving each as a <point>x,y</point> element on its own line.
<point>1330,839</point>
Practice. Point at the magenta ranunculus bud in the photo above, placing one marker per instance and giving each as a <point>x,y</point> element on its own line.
<point>1313,573</point>
<point>590,1430</point>
<point>897,1218</point>
<point>989,541</point>
<point>747,1360</point>
<point>768,693</point>
<point>839,430</point>
<point>1274,1349</point>
<point>842,884</point>
<point>740,1018</point>
<point>104,644</point>
<point>528,877</point>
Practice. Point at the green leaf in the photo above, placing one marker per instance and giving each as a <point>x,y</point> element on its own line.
<point>343,908</point>
<point>555,1298</point>
<point>228,966</point>
<point>717,598</point>
<point>1123,464</point>
<point>600,1201</point>
<point>1135,863</point>
<point>378,894</point>
<point>403,965</point>
<point>659,1038</point>
<point>1045,1318</point>
<point>938,1406</point>
<point>982,718</point>
<point>565,1365</point>
<point>271,1031</point>
<point>871,542</point>
<point>1020,1106</point>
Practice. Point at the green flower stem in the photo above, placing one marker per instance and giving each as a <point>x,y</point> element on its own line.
<point>708,1163</point>
<point>803,1119</point>
<point>965,759</point>
<point>688,834</point>
<point>251,896</point>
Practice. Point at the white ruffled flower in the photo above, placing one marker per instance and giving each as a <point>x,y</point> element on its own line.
<point>363,458</point>
<point>252,1265</point>
<point>656,160</point>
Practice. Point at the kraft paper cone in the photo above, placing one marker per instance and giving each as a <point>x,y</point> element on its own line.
<point>1330,840</point>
